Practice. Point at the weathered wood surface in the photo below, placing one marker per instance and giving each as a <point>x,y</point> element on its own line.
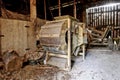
<point>50,34</point>
<point>61,37</point>
<point>33,10</point>
<point>102,16</point>
<point>96,37</point>
<point>16,36</point>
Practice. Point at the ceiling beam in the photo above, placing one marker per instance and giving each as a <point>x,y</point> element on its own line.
<point>64,5</point>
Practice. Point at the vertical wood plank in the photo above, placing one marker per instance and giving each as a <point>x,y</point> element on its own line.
<point>75,14</point>
<point>59,7</point>
<point>103,16</point>
<point>69,44</point>
<point>0,38</point>
<point>45,13</point>
<point>92,17</point>
<point>117,16</point>
<point>33,10</point>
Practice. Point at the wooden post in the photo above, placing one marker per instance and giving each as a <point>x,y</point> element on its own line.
<point>33,11</point>
<point>84,15</point>
<point>59,7</point>
<point>69,44</point>
<point>83,47</point>
<point>1,4</point>
<point>0,38</point>
<point>31,31</point>
<point>75,14</point>
<point>45,9</point>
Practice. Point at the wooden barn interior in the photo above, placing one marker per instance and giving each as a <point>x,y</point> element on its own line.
<point>59,39</point>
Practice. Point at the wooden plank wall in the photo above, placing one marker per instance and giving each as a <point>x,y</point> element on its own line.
<point>102,16</point>
<point>17,36</point>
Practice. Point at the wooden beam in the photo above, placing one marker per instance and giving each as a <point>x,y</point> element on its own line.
<point>75,14</point>
<point>69,44</point>
<point>33,10</point>
<point>45,9</point>
<point>58,55</point>
<point>71,3</point>
<point>59,7</point>
<point>0,39</point>
<point>1,3</point>
<point>84,15</point>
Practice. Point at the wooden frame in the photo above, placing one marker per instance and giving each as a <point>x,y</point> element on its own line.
<point>68,56</point>
<point>70,25</point>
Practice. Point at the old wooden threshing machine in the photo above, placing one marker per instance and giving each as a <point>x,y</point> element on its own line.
<point>63,37</point>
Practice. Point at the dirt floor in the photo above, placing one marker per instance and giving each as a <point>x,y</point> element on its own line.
<point>100,64</point>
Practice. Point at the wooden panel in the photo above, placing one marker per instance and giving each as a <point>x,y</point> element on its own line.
<point>102,16</point>
<point>50,33</point>
<point>15,35</point>
<point>50,41</point>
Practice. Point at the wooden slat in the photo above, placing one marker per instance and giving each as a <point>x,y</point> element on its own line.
<point>105,16</point>
<point>97,31</point>
<point>95,35</point>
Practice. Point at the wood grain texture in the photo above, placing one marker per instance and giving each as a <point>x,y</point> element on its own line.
<point>17,37</point>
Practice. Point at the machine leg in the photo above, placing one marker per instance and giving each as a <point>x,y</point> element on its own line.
<point>46,58</point>
<point>83,47</point>
<point>69,63</point>
<point>69,45</point>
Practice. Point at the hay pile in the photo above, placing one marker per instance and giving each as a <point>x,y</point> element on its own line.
<point>36,72</point>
